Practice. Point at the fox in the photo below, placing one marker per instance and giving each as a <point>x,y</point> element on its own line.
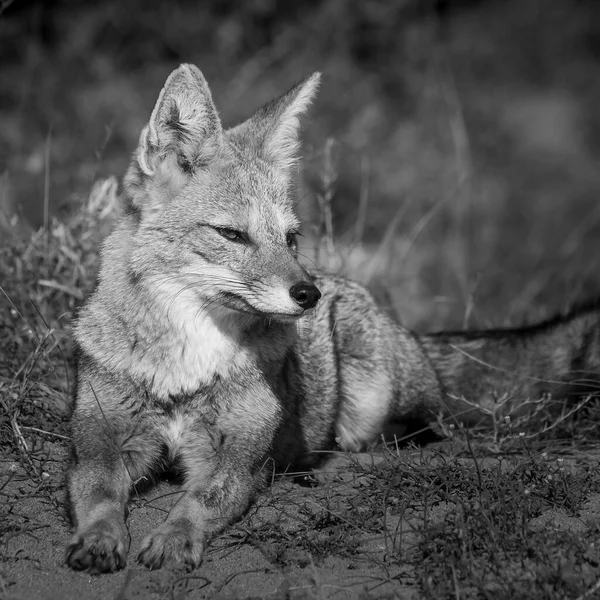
<point>206,345</point>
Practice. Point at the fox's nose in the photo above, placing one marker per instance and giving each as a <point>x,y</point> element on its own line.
<point>305,294</point>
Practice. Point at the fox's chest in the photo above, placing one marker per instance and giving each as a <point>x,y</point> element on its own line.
<point>183,360</point>
<point>207,353</point>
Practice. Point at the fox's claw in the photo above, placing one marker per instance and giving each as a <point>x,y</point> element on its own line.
<point>172,544</point>
<point>100,549</point>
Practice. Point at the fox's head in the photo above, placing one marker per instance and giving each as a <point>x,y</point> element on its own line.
<point>213,209</point>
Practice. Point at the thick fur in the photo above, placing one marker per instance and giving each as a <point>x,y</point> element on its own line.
<point>197,346</point>
<point>558,359</point>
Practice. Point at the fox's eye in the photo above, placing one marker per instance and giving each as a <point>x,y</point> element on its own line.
<point>291,239</point>
<point>231,234</point>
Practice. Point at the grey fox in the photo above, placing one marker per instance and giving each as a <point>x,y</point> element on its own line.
<point>206,342</point>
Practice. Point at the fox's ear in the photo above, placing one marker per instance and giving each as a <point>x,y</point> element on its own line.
<point>184,124</point>
<point>274,129</point>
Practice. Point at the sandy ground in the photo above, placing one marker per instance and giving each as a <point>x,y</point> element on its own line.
<point>241,563</point>
<point>267,555</point>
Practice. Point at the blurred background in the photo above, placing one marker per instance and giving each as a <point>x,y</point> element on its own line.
<point>451,159</point>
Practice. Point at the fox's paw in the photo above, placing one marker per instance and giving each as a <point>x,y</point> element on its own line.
<point>101,548</point>
<point>172,544</point>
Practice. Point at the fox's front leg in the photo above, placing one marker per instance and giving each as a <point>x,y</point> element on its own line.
<point>113,448</point>
<point>222,464</point>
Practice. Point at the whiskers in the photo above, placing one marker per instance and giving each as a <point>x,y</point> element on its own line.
<point>202,295</point>
<point>189,298</point>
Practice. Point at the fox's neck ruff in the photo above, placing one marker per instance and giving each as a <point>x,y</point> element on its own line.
<point>170,343</point>
<point>202,343</point>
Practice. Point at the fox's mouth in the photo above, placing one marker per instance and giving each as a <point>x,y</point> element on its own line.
<point>240,304</point>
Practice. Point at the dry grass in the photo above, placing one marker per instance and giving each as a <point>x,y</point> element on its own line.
<point>443,189</point>
<point>460,521</point>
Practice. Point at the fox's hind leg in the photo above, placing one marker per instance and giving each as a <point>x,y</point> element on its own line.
<point>364,347</point>
<point>366,396</point>
<point>112,451</point>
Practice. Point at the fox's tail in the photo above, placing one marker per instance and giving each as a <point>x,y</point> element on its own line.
<point>558,360</point>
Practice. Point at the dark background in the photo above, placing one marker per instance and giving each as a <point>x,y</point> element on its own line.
<point>467,132</point>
